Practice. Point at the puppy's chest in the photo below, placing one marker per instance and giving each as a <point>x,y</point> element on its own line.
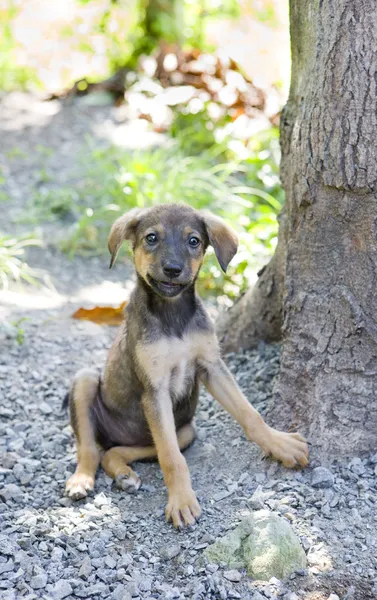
<point>182,376</point>
<point>171,363</point>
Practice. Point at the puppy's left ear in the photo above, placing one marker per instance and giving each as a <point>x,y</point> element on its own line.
<point>124,229</point>
<point>221,237</point>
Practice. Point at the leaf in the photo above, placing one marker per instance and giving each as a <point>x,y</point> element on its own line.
<point>102,315</point>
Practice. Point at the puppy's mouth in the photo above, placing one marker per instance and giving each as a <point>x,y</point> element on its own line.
<point>166,288</point>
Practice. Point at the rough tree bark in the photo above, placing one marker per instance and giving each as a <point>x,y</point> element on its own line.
<point>257,315</point>
<point>328,381</point>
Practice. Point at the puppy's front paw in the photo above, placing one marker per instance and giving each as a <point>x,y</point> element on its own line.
<point>183,508</point>
<point>290,448</point>
<point>79,485</point>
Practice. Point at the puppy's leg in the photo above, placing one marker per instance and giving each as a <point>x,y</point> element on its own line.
<point>183,507</point>
<point>290,448</point>
<point>116,460</point>
<point>82,395</point>
<point>115,464</point>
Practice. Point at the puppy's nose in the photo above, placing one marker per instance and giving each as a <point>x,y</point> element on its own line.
<point>172,269</point>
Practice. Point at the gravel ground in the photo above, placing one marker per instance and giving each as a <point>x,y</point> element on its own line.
<point>118,546</point>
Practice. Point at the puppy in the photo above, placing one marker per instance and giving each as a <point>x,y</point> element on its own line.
<point>144,404</point>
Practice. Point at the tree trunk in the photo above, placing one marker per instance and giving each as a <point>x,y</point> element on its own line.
<point>257,315</point>
<point>328,381</point>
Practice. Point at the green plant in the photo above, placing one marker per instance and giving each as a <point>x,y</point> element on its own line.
<point>20,336</point>
<point>55,202</point>
<point>196,131</point>
<point>12,263</point>
<point>247,193</point>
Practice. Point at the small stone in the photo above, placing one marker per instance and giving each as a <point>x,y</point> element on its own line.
<point>97,588</point>
<point>57,554</point>
<point>145,584</point>
<point>65,501</point>
<point>86,568</point>
<point>322,478</point>
<point>6,567</point>
<point>120,532</point>
<point>222,495</point>
<point>39,581</point>
<point>61,589</point>
<point>208,538</point>
<point>101,500</point>
<point>170,551</point>
<point>132,589</point>
<point>212,568</point>
<point>124,561</point>
<point>233,575</point>
<point>45,408</point>
<point>333,597</point>
<point>97,548</point>
<point>201,546</point>
<point>121,593</point>
<point>110,562</point>
<point>258,499</point>
<point>11,492</point>
<point>6,546</point>
<point>243,477</point>
<point>356,466</point>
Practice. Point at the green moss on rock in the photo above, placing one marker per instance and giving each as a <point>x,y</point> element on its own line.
<point>264,544</point>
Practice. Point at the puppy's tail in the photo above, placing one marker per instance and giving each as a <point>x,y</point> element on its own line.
<point>65,402</point>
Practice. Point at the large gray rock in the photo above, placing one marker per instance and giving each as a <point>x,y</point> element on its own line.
<point>264,544</point>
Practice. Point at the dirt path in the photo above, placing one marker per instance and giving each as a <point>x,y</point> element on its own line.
<point>114,545</point>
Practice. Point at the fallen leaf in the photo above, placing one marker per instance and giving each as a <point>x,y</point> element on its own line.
<point>102,315</point>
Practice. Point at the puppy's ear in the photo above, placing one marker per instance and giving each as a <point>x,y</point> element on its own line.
<point>221,237</point>
<point>124,229</point>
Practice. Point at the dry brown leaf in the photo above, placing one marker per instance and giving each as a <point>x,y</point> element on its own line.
<point>102,315</point>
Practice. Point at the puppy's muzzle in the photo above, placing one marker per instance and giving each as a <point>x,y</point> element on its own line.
<point>172,269</point>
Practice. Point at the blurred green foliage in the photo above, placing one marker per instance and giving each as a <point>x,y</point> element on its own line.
<point>13,76</point>
<point>123,29</point>
<point>200,163</point>
<point>246,192</point>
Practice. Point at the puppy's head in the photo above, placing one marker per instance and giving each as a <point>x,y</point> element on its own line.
<point>169,242</point>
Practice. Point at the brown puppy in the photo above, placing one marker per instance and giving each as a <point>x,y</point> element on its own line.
<point>144,405</point>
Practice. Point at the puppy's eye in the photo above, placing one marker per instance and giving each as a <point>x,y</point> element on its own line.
<point>194,241</point>
<point>151,238</point>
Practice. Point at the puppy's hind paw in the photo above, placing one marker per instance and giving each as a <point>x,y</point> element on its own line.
<point>129,482</point>
<point>79,486</point>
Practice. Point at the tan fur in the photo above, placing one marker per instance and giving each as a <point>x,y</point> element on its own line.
<point>195,266</point>
<point>183,507</point>
<point>142,262</point>
<point>88,456</point>
<point>159,358</point>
